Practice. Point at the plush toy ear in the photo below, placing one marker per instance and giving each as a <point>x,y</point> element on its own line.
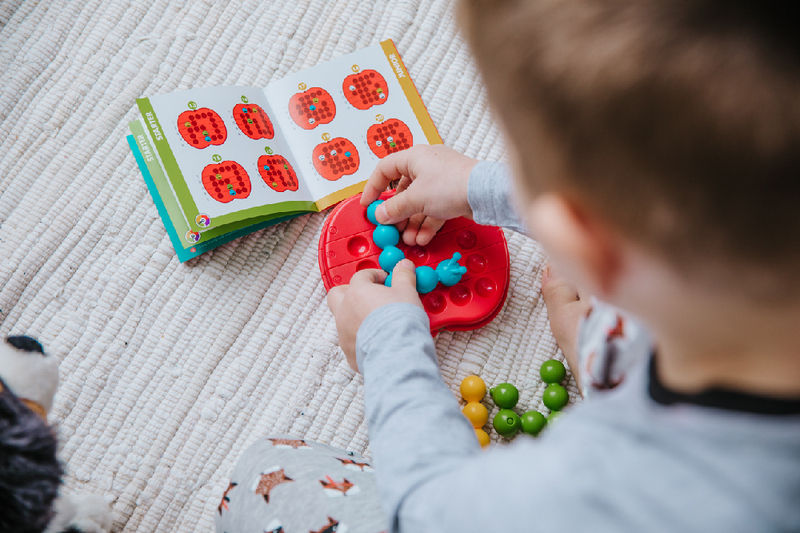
<point>28,371</point>
<point>25,343</point>
<point>30,474</point>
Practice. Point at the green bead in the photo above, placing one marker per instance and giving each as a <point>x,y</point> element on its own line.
<point>555,397</point>
<point>553,371</point>
<point>532,422</point>
<point>554,416</point>
<point>506,423</point>
<point>505,395</point>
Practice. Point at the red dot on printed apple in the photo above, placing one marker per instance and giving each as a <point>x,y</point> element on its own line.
<point>226,181</point>
<point>388,137</point>
<point>312,107</point>
<point>253,121</point>
<point>335,158</point>
<point>199,121</point>
<point>277,173</point>
<point>365,89</point>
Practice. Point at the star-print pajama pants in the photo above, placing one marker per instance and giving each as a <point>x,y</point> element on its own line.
<point>283,484</point>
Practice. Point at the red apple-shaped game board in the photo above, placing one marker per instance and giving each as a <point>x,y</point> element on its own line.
<point>277,173</point>
<point>389,137</point>
<point>253,121</point>
<point>226,181</point>
<point>311,108</point>
<point>202,127</point>
<point>346,246</point>
<point>335,158</point>
<point>365,89</point>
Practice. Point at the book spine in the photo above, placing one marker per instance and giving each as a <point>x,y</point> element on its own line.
<point>169,162</point>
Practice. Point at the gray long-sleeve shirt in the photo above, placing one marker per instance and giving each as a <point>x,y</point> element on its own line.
<point>638,458</point>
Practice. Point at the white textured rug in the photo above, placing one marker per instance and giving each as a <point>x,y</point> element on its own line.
<point>169,371</point>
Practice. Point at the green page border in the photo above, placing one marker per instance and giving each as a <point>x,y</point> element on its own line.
<point>229,232</point>
<point>182,193</point>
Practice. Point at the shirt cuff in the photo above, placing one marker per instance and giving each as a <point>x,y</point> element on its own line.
<point>489,195</point>
<point>387,326</point>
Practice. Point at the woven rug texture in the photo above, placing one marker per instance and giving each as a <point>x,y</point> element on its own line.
<point>168,370</point>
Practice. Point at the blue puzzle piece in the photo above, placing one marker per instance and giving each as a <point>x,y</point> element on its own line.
<point>449,271</point>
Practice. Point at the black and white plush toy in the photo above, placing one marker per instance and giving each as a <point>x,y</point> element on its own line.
<point>30,473</point>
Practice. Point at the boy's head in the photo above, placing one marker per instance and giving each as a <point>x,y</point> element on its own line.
<point>675,123</point>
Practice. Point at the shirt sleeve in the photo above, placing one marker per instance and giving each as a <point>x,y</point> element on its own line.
<point>489,196</point>
<point>430,472</point>
<point>416,429</point>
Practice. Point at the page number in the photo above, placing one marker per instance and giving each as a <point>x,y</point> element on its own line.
<point>216,158</point>
<point>245,100</point>
<point>355,68</point>
<point>268,150</point>
<point>326,136</point>
<point>192,106</point>
<point>302,86</point>
<point>379,118</point>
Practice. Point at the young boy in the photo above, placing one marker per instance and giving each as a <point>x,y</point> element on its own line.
<point>656,156</point>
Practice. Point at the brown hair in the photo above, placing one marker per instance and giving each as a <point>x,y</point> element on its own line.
<point>677,121</point>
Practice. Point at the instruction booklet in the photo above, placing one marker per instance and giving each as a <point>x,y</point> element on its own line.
<point>222,162</point>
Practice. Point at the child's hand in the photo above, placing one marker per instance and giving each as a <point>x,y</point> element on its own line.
<point>350,304</point>
<point>432,189</point>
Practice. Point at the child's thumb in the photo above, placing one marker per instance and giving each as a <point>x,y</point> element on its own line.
<point>404,275</point>
<point>397,208</point>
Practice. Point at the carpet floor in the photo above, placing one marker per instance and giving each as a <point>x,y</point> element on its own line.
<point>168,370</point>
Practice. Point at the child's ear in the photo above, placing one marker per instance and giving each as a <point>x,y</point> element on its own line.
<point>585,249</point>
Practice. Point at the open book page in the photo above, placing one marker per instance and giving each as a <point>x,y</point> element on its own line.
<point>222,162</point>
<point>188,242</point>
<point>342,116</point>
<point>224,156</point>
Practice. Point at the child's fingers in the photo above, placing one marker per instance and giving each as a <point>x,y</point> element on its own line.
<point>428,229</point>
<point>368,276</point>
<point>412,228</point>
<point>390,168</point>
<point>400,207</point>
<point>403,184</point>
<point>335,297</point>
<point>404,276</point>
<point>556,289</point>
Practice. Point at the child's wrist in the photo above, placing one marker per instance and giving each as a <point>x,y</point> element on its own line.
<point>385,329</point>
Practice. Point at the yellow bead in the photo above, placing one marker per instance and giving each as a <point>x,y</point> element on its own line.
<point>476,413</point>
<point>483,437</point>
<point>473,389</point>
